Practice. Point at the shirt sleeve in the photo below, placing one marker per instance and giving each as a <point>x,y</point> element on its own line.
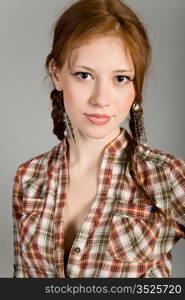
<point>17,212</point>
<point>177,181</point>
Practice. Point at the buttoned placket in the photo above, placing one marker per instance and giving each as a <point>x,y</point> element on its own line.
<point>78,244</point>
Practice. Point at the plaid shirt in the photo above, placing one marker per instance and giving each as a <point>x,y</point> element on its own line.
<point>122,235</point>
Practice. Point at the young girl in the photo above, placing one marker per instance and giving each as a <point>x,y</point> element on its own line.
<point>101,203</point>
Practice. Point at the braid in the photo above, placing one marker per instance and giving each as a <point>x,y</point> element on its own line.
<point>131,147</point>
<point>57,113</point>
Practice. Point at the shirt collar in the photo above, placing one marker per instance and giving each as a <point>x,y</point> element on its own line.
<point>119,142</point>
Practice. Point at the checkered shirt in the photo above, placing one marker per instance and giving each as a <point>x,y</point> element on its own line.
<point>122,234</point>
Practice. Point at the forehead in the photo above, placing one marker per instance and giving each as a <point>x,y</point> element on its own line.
<point>101,52</point>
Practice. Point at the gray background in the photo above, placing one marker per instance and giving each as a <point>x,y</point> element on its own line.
<point>25,122</point>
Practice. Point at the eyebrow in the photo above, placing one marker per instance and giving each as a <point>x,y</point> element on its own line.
<point>116,71</point>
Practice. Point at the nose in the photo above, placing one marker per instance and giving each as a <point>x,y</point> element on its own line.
<point>101,95</point>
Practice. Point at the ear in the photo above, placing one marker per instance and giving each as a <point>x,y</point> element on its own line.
<point>55,74</point>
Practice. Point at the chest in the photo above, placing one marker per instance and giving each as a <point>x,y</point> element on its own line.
<point>81,194</point>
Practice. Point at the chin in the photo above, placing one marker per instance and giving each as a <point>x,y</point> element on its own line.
<point>97,133</point>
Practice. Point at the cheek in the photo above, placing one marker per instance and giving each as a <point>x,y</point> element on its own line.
<point>127,99</point>
<point>70,95</point>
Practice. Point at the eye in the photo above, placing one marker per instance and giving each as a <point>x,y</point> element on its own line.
<point>82,75</point>
<point>124,79</point>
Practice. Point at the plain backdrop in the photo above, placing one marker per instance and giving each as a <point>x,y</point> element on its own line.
<point>25,122</point>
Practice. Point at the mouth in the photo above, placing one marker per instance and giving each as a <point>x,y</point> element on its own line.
<point>98,119</point>
<point>98,116</point>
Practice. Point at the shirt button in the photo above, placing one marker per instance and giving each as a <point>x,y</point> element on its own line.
<point>117,214</point>
<point>58,249</point>
<point>77,250</point>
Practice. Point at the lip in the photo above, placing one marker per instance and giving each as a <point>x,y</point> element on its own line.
<point>98,119</point>
<point>98,116</point>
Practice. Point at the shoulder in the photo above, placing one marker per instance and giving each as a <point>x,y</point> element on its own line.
<point>159,168</point>
<point>41,161</point>
<point>37,168</point>
<point>157,157</point>
<point>162,175</point>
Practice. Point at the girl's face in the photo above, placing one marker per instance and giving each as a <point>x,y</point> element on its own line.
<point>98,83</point>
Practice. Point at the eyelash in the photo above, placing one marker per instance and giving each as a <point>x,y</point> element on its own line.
<point>78,73</point>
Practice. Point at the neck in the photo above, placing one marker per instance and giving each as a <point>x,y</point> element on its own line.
<point>88,152</point>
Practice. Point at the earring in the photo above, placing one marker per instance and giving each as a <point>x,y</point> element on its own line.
<point>68,126</point>
<point>68,130</point>
<point>139,124</point>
